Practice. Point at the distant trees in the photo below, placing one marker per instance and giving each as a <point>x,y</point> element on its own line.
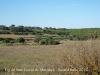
<point>5,32</point>
<point>12,28</point>
<point>3,27</point>
<point>71,34</point>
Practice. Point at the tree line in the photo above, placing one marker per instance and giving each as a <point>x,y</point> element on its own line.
<point>71,34</point>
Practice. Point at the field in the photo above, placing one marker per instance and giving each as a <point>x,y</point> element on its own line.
<point>29,36</point>
<point>47,59</point>
<point>16,36</point>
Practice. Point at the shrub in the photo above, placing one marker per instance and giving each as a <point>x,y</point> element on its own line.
<point>37,38</point>
<point>6,40</point>
<point>20,40</point>
<point>1,39</point>
<point>56,42</point>
<point>43,42</point>
<point>12,41</point>
<point>49,41</point>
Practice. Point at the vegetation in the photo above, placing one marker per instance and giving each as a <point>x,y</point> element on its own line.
<point>37,38</point>
<point>6,40</point>
<point>20,40</point>
<point>47,41</point>
<point>81,55</point>
<point>80,52</point>
<point>71,34</point>
<point>50,41</point>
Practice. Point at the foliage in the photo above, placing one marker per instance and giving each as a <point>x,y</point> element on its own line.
<point>43,42</point>
<point>4,32</point>
<point>71,34</point>
<point>20,40</point>
<point>1,39</point>
<point>49,41</point>
<point>56,42</point>
<point>20,33</point>
<point>6,41</point>
<point>37,38</point>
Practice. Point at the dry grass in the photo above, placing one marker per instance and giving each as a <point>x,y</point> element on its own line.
<point>66,55</point>
<point>16,36</point>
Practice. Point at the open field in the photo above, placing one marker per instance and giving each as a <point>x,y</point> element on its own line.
<point>16,36</point>
<point>66,55</point>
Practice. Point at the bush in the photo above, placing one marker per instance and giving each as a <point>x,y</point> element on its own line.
<point>6,40</point>
<point>49,41</point>
<point>37,38</point>
<point>12,41</point>
<point>1,39</point>
<point>56,42</point>
<point>20,40</point>
<point>43,42</point>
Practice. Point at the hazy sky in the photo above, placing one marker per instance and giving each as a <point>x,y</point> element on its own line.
<point>51,13</point>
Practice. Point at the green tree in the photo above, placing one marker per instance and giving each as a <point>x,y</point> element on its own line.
<point>12,28</point>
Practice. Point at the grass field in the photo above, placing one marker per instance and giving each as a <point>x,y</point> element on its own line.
<point>16,36</point>
<point>22,60</point>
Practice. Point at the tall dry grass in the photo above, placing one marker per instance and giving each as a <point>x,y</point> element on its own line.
<point>69,54</point>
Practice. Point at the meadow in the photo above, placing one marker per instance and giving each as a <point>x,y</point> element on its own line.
<point>51,59</point>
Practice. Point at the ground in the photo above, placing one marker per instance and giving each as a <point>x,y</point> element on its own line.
<point>42,57</point>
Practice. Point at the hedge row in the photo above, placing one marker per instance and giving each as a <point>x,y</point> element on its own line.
<point>10,40</point>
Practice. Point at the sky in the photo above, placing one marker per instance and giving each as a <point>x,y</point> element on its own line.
<point>51,13</point>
